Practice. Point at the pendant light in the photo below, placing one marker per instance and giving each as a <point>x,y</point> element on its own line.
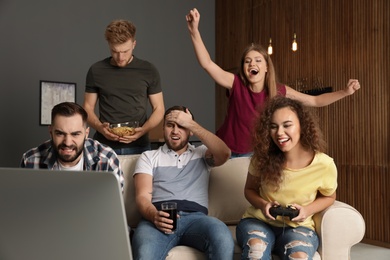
<point>270,50</point>
<point>294,46</point>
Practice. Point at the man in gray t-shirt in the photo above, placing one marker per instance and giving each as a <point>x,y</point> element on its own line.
<point>122,86</point>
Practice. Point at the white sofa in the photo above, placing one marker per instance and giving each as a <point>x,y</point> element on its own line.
<point>339,227</point>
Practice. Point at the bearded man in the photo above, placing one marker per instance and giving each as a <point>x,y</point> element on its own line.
<point>179,172</point>
<point>69,147</point>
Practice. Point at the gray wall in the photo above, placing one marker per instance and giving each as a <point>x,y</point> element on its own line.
<point>59,40</point>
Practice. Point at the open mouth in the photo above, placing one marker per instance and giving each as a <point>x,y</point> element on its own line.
<point>253,72</point>
<point>66,149</point>
<point>284,140</point>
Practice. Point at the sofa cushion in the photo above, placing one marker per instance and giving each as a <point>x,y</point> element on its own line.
<point>226,190</point>
<point>185,252</point>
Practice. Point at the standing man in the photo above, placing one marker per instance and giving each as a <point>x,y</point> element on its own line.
<point>179,172</point>
<point>69,147</point>
<point>123,85</point>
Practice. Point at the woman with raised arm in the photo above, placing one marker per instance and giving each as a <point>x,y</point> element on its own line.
<point>250,88</point>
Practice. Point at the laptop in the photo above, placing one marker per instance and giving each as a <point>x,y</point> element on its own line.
<point>62,215</point>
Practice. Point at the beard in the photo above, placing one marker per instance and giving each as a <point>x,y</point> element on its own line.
<point>176,146</point>
<point>68,158</point>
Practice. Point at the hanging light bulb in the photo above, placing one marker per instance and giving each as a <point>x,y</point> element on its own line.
<point>270,50</point>
<point>295,44</point>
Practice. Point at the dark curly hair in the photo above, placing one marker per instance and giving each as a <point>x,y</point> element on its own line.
<point>268,159</point>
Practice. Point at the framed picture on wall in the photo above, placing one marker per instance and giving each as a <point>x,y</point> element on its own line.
<point>53,93</point>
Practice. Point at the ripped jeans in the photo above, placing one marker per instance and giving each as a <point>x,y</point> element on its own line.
<point>258,240</point>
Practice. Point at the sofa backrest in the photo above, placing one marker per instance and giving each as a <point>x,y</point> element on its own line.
<point>128,164</point>
<point>226,190</point>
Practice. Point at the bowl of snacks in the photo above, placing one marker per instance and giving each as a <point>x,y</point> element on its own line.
<point>124,129</point>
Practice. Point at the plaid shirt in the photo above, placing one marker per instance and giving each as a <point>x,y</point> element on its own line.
<point>97,157</point>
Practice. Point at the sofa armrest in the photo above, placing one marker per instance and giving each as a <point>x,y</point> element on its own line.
<point>339,227</point>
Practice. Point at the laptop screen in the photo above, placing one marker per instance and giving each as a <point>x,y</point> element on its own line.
<point>61,215</point>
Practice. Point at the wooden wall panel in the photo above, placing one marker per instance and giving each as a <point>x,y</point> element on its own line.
<point>337,40</point>
<point>233,18</point>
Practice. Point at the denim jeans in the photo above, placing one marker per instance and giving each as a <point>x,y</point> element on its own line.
<point>282,241</point>
<point>236,155</point>
<point>195,229</point>
<point>132,150</point>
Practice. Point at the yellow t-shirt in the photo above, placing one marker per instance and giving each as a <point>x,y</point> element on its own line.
<point>299,186</point>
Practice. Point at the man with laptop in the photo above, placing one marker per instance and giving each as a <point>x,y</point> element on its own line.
<point>69,147</point>
<point>179,172</point>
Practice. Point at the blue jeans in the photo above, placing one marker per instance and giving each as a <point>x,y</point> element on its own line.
<point>235,155</point>
<point>195,229</point>
<point>132,150</point>
<point>278,240</point>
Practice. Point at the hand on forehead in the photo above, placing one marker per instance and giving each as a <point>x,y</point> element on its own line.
<point>180,111</point>
<point>179,117</point>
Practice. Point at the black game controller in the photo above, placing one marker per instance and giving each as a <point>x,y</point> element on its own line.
<point>288,211</point>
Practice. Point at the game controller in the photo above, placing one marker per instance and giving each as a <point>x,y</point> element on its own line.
<point>288,211</point>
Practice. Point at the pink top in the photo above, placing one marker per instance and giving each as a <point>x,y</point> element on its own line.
<point>236,130</point>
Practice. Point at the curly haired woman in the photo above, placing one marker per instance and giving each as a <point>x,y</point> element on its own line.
<point>288,168</point>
